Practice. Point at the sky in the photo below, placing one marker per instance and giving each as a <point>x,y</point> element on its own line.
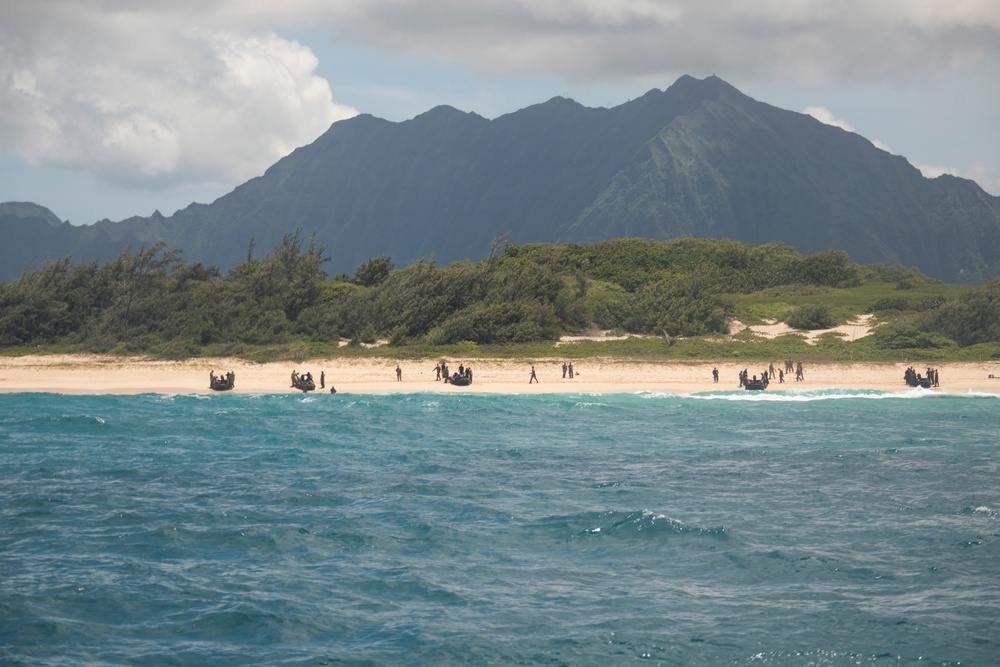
<point>115,108</point>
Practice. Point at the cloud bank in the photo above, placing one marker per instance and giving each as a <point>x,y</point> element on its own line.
<point>795,41</point>
<point>152,100</point>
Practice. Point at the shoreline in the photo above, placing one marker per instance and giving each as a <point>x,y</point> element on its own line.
<point>96,374</point>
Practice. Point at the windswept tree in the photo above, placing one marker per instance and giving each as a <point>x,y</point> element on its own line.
<point>374,271</point>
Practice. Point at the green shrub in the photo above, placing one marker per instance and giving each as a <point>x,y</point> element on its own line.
<point>687,307</point>
<point>498,323</point>
<point>891,303</point>
<point>903,337</point>
<point>971,319</point>
<point>810,318</point>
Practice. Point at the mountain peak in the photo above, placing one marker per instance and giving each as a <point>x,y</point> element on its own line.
<point>28,210</point>
<point>444,113</point>
<point>709,88</point>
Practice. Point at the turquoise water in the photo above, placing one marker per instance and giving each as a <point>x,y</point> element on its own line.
<point>811,528</point>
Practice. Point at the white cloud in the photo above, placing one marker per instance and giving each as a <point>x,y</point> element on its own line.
<point>824,115</point>
<point>977,171</point>
<point>146,98</point>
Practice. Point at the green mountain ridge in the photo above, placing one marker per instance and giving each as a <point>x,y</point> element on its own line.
<point>699,159</point>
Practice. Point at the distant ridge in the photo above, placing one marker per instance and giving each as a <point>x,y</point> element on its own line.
<point>28,211</point>
<point>698,159</point>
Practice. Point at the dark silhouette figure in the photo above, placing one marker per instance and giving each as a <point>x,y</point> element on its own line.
<point>533,378</point>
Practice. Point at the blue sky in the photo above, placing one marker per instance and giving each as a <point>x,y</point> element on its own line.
<point>113,109</point>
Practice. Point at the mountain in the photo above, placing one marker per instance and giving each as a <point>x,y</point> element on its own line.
<point>698,159</point>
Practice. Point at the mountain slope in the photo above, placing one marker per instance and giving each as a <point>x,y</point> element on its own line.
<point>739,169</point>
<point>699,159</point>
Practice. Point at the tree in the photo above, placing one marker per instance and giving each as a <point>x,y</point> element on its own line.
<point>374,271</point>
<point>687,306</point>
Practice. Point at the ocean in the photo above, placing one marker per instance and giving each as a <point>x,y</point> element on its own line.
<point>825,527</point>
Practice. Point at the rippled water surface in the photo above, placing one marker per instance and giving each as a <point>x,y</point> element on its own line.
<point>826,528</point>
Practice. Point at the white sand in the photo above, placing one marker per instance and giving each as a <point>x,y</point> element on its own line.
<point>90,374</point>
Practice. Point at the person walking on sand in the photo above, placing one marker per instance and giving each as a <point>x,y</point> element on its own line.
<point>533,378</point>
<point>564,369</point>
<point>399,373</point>
<point>571,370</point>
<point>322,379</point>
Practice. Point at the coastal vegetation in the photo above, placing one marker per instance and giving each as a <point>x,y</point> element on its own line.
<point>665,299</point>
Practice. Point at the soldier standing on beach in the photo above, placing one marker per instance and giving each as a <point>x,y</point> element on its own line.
<point>571,370</point>
<point>799,375</point>
<point>564,369</point>
<point>533,378</point>
<point>715,375</point>
<point>322,379</point>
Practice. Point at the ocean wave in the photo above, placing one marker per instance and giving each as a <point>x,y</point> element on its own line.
<point>828,394</point>
<point>72,421</point>
<point>636,524</point>
<point>980,510</point>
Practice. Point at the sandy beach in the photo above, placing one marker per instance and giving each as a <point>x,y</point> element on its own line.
<point>92,374</point>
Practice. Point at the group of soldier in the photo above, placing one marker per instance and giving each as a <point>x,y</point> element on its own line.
<point>746,382</point>
<point>304,382</point>
<point>913,379</point>
<point>567,370</point>
<point>227,381</point>
<point>768,374</point>
<point>789,367</point>
<point>441,371</point>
